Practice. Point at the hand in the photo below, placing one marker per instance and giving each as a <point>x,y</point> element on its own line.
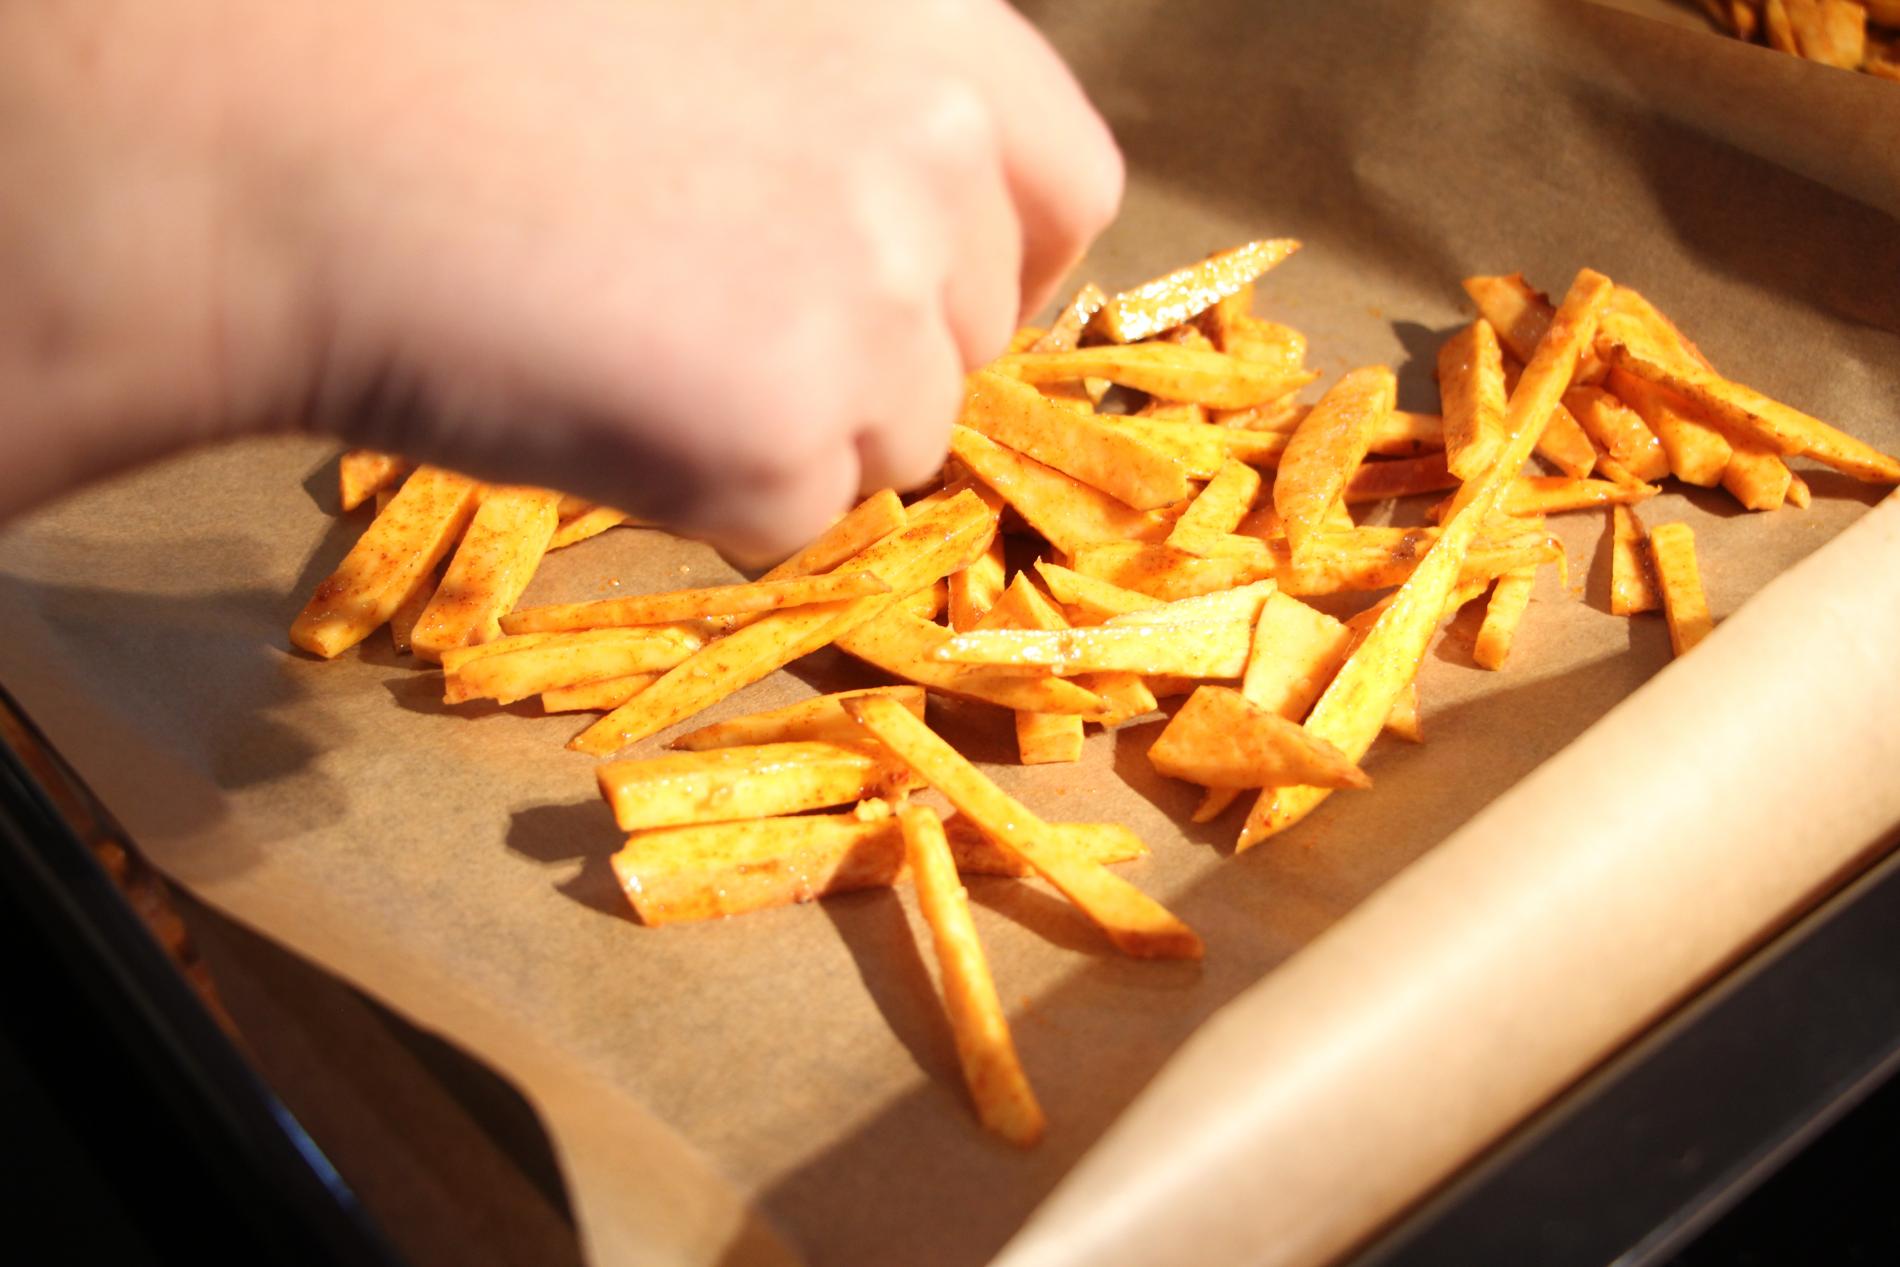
<point>719,264</point>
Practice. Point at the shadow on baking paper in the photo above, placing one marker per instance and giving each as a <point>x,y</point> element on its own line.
<point>859,1199</point>
<point>165,695</point>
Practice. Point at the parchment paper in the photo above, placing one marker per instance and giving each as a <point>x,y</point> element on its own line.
<point>783,1087</point>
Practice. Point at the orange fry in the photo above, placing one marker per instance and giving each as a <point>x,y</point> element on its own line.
<point>497,558</point>
<point>1101,455</point>
<point>1330,442</point>
<point>1632,582</point>
<point>1219,739</point>
<point>751,781</point>
<point>1471,383</point>
<point>1004,1102</point>
<point>1134,922</point>
<point>1672,548</point>
<point>1168,301</point>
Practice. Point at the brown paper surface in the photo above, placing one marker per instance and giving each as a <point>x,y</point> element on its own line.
<point>783,1086</point>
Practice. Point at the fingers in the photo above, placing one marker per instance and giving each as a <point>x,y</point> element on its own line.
<point>1063,166</point>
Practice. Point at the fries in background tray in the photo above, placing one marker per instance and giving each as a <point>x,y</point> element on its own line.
<point>1088,553</point>
<point>1849,34</point>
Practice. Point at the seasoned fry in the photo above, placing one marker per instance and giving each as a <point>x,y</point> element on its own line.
<point>529,664</point>
<point>1296,650</point>
<point>1355,706</point>
<point>1632,581</point>
<point>905,646</point>
<point>363,473</point>
<point>1134,922</point>
<point>1521,316</point>
<point>1097,599</point>
<point>596,697</point>
<point>1755,475</point>
<point>491,567</point>
<point>713,870</point>
<point>1745,411</point>
<point>1166,370</point>
<point>932,545</point>
<point>1168,301</point>
<point>1218,509</point>
<point>1399,477</point>
<point>1103,456</point>
<point>1220,739</point>
<point>1620,430</point>
<point>1242,603</point>
<point>752,781</point>
<point>589,523</point>
<point>1553,494</point>
<point>400,545</point>
<point>1672,549</point>
<point>1330,443</point>
<point>1041,738</point>
<point>677,605</point>
<point>1471,383</point>
<point>1004,1102</point>
<point>1165,573</point>
<point>820,718</point>
<point>1198,649</point>
<point>1509,597</point>
<point>1065,332</point>
<point>1069,513</point>
<point>972,591</point>
<point>1563,443</point>
<point>1698,453</point>
<point>866,524</point>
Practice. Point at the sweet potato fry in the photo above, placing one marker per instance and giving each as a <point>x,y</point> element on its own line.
<point>1225,321</point>
<point>1134,922</point>
<point>1330,443</point>
<point>1004,1103</point>
<point>1220,739</point>
<point>1041,738</point>
<point>1632,579</point>
<point>721,785</point>
<point>1755,475</point>
<point>1198,649</point>
<point>1672,549</point>
<point>363,473</point>
<point>1168,301</point>
<point>1101,455</point>
<point>1553,494</point>
<point>1698,453</point>
<point>931,545</point>
<point>866,524</point>
<point>589,523</point>
<point>1832,32</point>
<point>1200,448</point>
<point>1096,599</point>
<point>1399,477</point>
<point>673,875</point>
<point>1069,513</point>
<point>1165,573</point>
<point>596,697</point>
<point>1777,29</point>
<point>1744,411</point>
<point>677,605</point>
<point>1620,430</point>
<point>1267,342</point>
<point>1402,721</point>
<point>1166,370</point>
<point>973,590</point>
<point>529,664</point>
<point>1471,384</point>
<point>1218,509</point>
<point>821,718</point>
<point>1355,706</point>
<point>400,545</point>
<point>927,603</point>
<point>1520,316</point>
<point>1065,332</point>
<point>1296,650</point>
<point>904,646</point>
<point>1501,617</point>
<point>1564,444</point>
<point>491,567</point>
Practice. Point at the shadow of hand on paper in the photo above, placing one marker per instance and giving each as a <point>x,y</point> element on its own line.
<point>165,700</point>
